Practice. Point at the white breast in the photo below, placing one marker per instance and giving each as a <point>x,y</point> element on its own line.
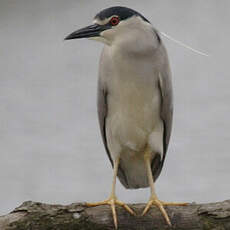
<point>133,103</point>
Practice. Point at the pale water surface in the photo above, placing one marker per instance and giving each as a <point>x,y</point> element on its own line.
<point>50,146</point>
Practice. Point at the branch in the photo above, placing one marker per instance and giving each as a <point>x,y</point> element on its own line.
<point>38,216</point>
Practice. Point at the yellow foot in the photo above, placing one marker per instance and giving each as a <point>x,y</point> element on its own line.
<point>112,201</point>
<point>160,205</point>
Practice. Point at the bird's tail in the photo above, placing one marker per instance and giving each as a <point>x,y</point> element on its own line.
<point>132,172</point>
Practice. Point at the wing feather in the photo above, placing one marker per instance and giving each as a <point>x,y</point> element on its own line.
<point>102,107</point>
<point>166,112</point>
<point>165,88</point>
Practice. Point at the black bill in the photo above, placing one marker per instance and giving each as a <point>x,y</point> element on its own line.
<point>87,32</point>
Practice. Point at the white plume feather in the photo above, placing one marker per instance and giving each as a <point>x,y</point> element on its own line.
<point>184,45</point>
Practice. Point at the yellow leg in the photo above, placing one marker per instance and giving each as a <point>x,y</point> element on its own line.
<point>112,201</point>
<point>153,198</point>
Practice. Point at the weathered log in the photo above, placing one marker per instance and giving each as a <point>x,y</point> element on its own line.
<point>38,216</point>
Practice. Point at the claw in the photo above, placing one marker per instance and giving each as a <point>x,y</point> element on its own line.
<point>126,207</point>
<point>112,201</point>
<point>160,205</point>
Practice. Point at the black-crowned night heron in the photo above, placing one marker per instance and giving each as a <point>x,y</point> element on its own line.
<point>135,104</point>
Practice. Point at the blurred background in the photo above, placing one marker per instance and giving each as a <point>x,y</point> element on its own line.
<point>50,145</point>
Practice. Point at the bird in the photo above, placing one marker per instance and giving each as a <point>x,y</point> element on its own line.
<point>134,101</point>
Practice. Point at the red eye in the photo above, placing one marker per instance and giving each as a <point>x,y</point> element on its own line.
<point>114,21</point>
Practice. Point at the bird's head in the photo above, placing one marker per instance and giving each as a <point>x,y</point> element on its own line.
<point>114,24</point>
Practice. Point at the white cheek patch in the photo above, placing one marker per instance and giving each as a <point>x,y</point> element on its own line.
<point>103,22</point>
<point>100,22</point>
<point>107,36</point>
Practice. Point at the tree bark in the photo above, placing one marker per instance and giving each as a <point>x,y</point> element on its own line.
<point>38,216</point>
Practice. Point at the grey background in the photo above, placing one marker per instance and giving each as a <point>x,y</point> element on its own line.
<point>50,146</point>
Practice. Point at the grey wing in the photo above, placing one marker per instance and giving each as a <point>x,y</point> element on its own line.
<point>102,108</point>
<point>165,88</point>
